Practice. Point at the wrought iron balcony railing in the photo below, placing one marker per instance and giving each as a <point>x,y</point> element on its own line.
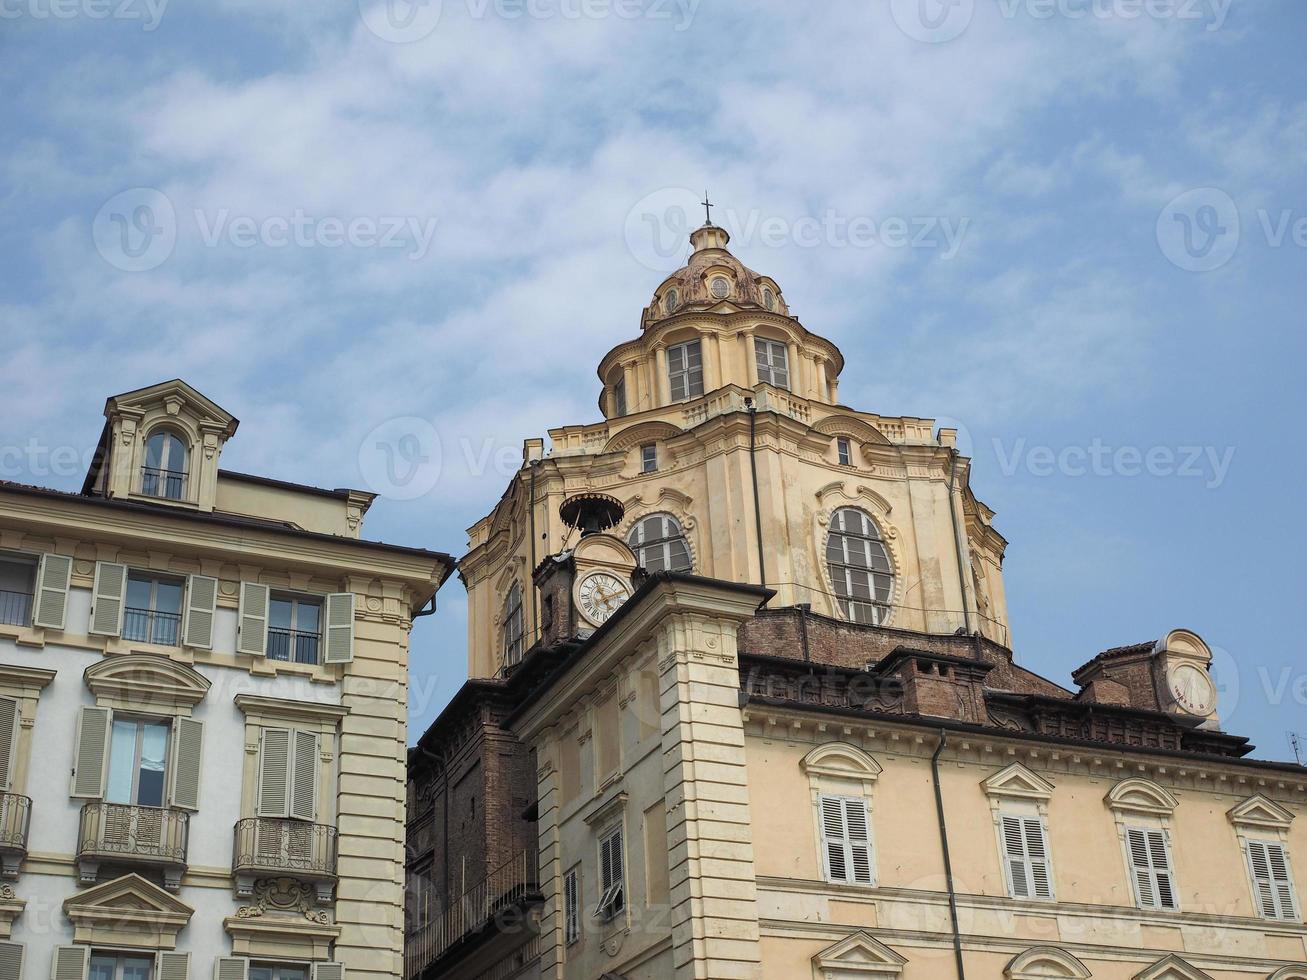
<point>122,834</point>
<point>156,482</point>
<point>275,846</point>
<point>295,646</point>
<point>15,608</point>
<point>152,626</point>
<point>15,821</point>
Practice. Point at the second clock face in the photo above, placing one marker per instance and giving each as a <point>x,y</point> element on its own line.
<point>599,595</point>
<point>1192,689</point>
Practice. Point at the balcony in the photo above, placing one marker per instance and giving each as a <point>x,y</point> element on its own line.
<point>269,847</point>
<point>293,646</point>
<point>151,626</point>
<point>15,608</point>
<point>15,820</point>
<point>170,484</point>
<point>138,836</point>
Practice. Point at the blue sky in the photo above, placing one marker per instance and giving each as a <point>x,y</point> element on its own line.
<point>1076,229</point>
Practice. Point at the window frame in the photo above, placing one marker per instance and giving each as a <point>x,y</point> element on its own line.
<point>572,901</point>
<point>619,397</point>
<point>20,560</point>
<point>1294,911</point>
<point>140,722</point>
<point>1147,831</point>
<point>152,611</point>
<point>844,450</point>
<point>847,841</point>
<point>882,609</point>
<point>649,457</point>
<point>665,541</point>
<point>296,600</point>
<point>765,350</point>
<point>1024,817</point>
<point>277,966</point>
<point>612,874</point>
<point>164,471</point>
<point>512,631</point>
<point>686,372</point>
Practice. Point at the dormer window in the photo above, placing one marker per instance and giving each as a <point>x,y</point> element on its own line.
<point>769,299</point>
<point>164,472</point>
<point>673,300</point>
<point>721,287</point>
<point>773,362</point>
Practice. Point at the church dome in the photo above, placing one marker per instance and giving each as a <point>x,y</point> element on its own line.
<point>713,277</point>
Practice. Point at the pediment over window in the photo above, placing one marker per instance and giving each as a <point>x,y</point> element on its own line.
<point>128,911</point>
<point>1258,811</point>
<point>841,760</point>
<point>860,955</point>
<point>1172,968</point>
<point>1141,796</point>
<point>1016,781</point>
<point>641,433</point>
<point>844,425</point>
<point>141,681</point>
<point>1046,961</point>
<point>859,495</point>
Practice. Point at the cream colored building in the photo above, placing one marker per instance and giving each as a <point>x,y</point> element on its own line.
<point>202,715</point>
<point>744,705</point>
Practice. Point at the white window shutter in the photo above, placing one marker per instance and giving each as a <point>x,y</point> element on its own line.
<point>1160,851</point>
<point>1041,875</point>
<point>1150,863</point>
<point>833,838</point>
<point>1014,856</point>
<point>1282,880</point>
<point>857,822</point>
<point>53,579</point>
<point>1142,868</point>
<point>339,628</point>
<point>328,971</point>
<point>1272,882</point>
<point>172,966</point>
<point>304,782</point>
<point>231,968</point>
<point>108,596</point>
<point>274,772</point>
<point>91,752</point>
<point>201,609</point>
<point>188,746</point>
<point>11,961</point>
<point>69,962</point>
<point>8,736</point>
<point>252,619</point>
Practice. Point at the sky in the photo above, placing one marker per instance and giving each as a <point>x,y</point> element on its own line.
<point>395,239</point>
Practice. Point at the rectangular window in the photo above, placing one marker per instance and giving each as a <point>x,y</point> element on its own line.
<point>294,628</point>
<point>278,971</point>
<point>111,966</point>
<point>138,762</point>
<point>1025,854</point>
<point>154,609</point>
<point>846,840</point>
<point>649,458</point>
<point>845,451</point>
<point>685,371</point>
<point>612,876</point>
<point>1150,865</point>
<point>17,583</point>
<point>773,362</point>
<point>572,906</point>
<point>1272,881</point>
<point>619,397</point>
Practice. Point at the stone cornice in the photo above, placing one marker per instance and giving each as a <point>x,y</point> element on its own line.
<point>294,712</point>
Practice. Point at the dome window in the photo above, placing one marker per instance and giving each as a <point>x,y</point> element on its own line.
<point>769,299</point>
<point>673,300</point>
<point>721,287</point>
<point>859,567</point>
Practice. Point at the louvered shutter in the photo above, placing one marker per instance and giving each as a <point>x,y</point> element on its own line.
<point>91,751</point>
<point>303,804</point>
<point>339,628</point>
<point>108,598</point>
<point>1272,881</point>
<point>1037,853</point>
<point>1014,852</point>
<point>252,619</point>
<point>188,745</point>
<point>328,971</point>
<point>1282,880</point>
<point>572,907</point>
<point>857,823</point>
<point>172,966</point>
<point>8,731</point>
<point>1026,855</point>
<point>11,961</point>
<point>274,773</point>
<point>69,962</point>
<point>231,968</point>
<point>1151,864</point>
<point>201,608</point>
<point>833,838</point>
<point>53,578</point>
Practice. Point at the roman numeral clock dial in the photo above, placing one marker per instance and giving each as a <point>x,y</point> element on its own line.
<point>599,595</point>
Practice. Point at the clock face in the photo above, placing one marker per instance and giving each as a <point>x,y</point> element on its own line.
<point>599,595</point>
<point>1192,689</point>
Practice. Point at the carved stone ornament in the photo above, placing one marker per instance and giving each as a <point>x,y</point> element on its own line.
<point>283,895</point>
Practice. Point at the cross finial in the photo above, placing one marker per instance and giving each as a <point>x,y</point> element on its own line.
<point>707,207</point>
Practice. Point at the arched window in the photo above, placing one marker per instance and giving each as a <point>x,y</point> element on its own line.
<point>673,300</point>
<point>164,473</point>
<point>659,544</point>
<point>514,627</point>
<point>859,566</point>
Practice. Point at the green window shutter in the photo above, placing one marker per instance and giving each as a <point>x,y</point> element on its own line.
<point>172,966</point>
<point>69,962</point>
<point>328,971</point>
<point>108,598</point>
<point>252,617</point>
<point>340,628</point>
<point>303,804</point>
<point>188,744</point>
<point>11,961</point>
<point>8,736</point>
<point>231,968</point>
<point>53,578</point>
<point>91,751</point>
<point>274,773</point>
<point>201,608</point>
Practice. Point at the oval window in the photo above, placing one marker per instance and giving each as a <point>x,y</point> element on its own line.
<point>721,288</point>
<point>768,299</point>
<point>673,300</point>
